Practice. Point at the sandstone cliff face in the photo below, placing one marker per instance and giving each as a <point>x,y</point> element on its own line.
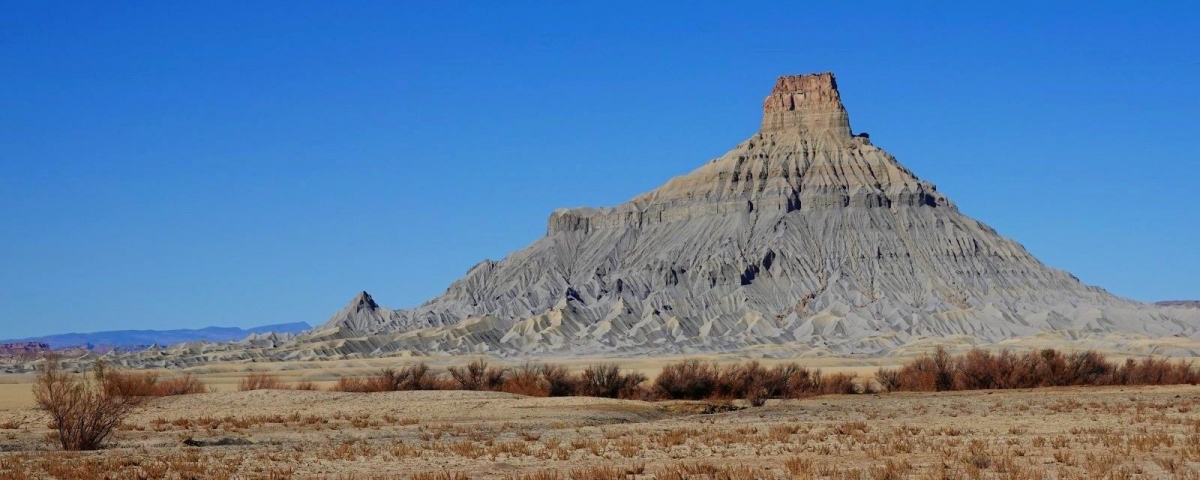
<point>809,105</point>
<point>804,239</point>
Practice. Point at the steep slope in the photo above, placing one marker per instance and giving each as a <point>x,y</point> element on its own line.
<point>804,236</point>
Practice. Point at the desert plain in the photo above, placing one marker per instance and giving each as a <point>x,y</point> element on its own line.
<point>1057,433</point>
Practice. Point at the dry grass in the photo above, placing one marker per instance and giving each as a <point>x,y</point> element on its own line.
<point>439,476</point>
<point>1063,433</point>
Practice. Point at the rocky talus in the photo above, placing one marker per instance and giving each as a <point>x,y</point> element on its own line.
<point>804,239</point>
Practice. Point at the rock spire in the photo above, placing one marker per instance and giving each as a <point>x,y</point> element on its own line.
<point>806,104</point>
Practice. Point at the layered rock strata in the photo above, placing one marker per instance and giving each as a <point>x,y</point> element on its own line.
<point>804,239</point>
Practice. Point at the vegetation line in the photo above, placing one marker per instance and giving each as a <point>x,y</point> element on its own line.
<point>85,409</point>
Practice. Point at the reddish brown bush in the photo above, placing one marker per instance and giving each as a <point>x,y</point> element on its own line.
<point>1090,368</point>
<point>145,384</point>
<point>687,380</point>
<point>559,381</point>
<point>526,380</point>
<point>978,369</point>
<point>354,385</point>
<point>888,379</point>
<point>83,412</point>
<point>477,375</point>
<point>606,380</point>
<point>740,380</point>
<point>412,377</point>
<point>1157,371</point>
<point>790,380</point>
<point>943,370</point>
<point>261,381</point>
<point>186,384</point>
<point>696,380</point>
<point>838,383</point>
<point>919,375</point>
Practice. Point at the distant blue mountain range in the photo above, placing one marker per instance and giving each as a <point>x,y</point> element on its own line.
<point>135,338</point>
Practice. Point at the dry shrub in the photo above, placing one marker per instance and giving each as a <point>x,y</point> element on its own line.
<point>1090,368</point>
<point>696,380</point>
<point>740,380</point>
<point>559,381</point>
<point>526,380</point>
<point>185,385</point>
<point>606,380</point>
<point>943,370</point>
<point>82,411</point>
<point>1156,371</point>
<point>838,383</point>
<point>687,380</point>
<point>980,370</point>
<point>305,386</point>
<point>413,377</point>
<point>888,379</point>
<point>261,381</point>
<point>919,375</point>
<point>790,380</point>
<point>351,385</point>
<point>477,375</point>
<point>145,384</point>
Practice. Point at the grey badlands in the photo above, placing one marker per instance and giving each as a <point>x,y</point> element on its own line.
<point>803,240</point>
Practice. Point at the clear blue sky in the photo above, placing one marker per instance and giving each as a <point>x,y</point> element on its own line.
<point>174,164</point>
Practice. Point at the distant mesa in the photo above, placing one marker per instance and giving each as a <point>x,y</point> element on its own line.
<point>20,349</point>
<point>141,339</point>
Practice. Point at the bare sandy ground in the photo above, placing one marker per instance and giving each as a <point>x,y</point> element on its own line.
<point>1073,433</point>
